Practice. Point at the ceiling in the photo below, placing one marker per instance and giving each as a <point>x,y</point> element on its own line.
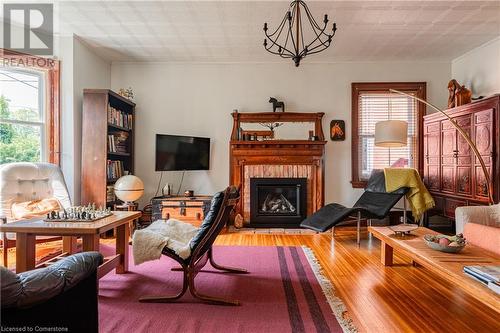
<point>231,31</point>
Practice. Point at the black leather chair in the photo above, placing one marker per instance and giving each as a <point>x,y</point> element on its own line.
<point>374,203</point>
<point>217,217</point>
<point>62,295</point>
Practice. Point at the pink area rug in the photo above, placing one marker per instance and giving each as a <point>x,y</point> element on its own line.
<point>284,292</point>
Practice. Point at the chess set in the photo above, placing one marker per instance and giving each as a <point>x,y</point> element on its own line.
<point>87,213</point>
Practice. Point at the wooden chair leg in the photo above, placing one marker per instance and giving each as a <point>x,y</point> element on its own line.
<point>224,268</point>
<point>206,298</point>
<point>167,299</point>
<point>5,252</point>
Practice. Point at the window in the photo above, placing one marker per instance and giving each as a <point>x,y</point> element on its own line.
<point>29,109</point>
<point>371,103</point>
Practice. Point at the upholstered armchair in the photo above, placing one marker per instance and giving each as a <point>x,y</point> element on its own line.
<point>480,225</point>
<point>21,182</point>
<point>63,294</point>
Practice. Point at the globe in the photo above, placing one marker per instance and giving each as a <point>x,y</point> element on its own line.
<point>129,188</point>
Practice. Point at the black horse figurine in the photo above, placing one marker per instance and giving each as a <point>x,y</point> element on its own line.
<point>276,104</point>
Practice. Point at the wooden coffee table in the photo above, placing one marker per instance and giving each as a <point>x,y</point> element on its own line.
<point>27,230</point>
<point>447,265</point>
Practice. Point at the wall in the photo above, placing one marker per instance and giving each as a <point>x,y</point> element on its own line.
<point>479,69</point>
<point>81,68</point>
<point>197,99</point>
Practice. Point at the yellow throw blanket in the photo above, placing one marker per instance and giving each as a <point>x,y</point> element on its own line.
<point>420,199</point>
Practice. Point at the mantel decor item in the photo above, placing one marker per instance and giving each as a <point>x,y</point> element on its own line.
<point>464,134</point>
<point>276,105</point>
<point>290,43</point>
<point>337,130</point>
<point>129,188</point>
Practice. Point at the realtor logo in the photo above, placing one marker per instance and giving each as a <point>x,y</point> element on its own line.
<point>28,28</point>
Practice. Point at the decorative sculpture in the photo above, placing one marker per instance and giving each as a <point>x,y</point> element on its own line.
<point>458,94</point>
<point>277,104</point>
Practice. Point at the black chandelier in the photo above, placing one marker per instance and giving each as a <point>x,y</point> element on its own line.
<point>292,45</point>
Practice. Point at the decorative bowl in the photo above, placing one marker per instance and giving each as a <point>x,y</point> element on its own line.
<point>433,241</point>
<point>403,228</point>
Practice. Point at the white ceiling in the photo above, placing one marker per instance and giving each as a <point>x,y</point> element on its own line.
<point>231,31</point>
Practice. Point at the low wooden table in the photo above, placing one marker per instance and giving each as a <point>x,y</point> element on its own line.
<point>27,230</point>
<point>447,265</point>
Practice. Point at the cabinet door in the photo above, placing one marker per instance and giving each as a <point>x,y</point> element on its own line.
<point>431,155</point>
<point>448,156</point>
<point>463,157</point>
<point>483,137</point>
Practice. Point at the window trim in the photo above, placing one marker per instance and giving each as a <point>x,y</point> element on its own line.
<point>419,88</point>
<point>51,69</point>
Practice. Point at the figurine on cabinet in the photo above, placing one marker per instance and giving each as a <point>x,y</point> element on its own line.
<point>458,94</point>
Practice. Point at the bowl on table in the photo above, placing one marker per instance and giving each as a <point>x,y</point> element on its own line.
<point>443,243</point>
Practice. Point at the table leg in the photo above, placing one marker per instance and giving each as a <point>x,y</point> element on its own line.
<point>386,254</point>
<point>69,244</point>
<point>122,236</point>
<point>25,252</point>
<point>90,242</point>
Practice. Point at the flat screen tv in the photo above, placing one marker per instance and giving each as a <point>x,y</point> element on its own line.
<point>175,152</point>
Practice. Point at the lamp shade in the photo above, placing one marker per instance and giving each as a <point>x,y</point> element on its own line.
<point>391,133</point>
<point>129,188</point>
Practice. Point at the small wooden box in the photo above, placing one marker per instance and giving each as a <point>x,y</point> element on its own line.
<point>187,209</point>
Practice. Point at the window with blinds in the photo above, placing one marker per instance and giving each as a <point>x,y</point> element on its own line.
<point>374,105</point>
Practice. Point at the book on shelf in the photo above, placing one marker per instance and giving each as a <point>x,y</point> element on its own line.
<point>110,193</point>
<point>119,118</point>
<point>114,169</point>
<point>117,142</point>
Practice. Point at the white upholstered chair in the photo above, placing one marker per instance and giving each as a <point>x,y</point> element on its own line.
<point>21,182</point>
<point>484,215</point>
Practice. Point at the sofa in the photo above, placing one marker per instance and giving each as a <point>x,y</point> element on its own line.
<point>23,181</point>
<point>480,225</point>
<point>62,295</point>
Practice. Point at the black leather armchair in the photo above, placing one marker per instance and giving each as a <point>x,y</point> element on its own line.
<point>62,295</point>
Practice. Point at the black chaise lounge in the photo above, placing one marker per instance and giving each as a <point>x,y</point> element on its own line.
<point>374,203</point>
<point>221,207</point>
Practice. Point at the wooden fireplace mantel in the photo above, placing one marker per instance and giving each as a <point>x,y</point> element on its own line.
<point>277,158</point>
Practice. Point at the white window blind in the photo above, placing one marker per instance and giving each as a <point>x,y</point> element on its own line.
<point>378,106</point>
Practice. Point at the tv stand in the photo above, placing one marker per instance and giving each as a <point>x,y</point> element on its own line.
<point>187,209</point>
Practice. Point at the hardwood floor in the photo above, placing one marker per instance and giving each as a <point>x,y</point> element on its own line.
<point>401,298</point>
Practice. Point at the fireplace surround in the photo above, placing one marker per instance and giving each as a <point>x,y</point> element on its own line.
<point>277,158</point>
<point>278,202</point>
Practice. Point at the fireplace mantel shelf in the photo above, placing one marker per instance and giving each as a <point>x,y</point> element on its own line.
<point>277,142</point>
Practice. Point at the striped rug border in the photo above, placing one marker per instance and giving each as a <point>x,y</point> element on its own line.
<point>336,304</point>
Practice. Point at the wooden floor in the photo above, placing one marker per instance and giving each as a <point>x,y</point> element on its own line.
<point>401,298</point>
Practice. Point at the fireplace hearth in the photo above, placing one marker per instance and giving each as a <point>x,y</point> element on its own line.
<point>278,202</point>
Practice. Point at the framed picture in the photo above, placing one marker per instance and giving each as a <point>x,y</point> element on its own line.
<point>337,130</point>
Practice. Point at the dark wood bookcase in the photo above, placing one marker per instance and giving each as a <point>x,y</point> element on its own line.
<point>96,154</point>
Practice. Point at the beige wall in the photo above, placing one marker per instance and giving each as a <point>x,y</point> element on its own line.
<point>81,68</point>
<point>197,99</point>
<point>479,69</point>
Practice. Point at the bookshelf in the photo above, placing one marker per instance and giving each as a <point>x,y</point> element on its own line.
<point>108,131</point>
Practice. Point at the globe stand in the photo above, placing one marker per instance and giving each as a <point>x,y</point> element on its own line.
<point>127,206</point>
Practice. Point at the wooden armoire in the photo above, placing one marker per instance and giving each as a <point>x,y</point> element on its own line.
<point>452,173</point>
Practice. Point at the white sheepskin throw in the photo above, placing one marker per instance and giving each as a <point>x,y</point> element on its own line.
<point>148,243</point>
